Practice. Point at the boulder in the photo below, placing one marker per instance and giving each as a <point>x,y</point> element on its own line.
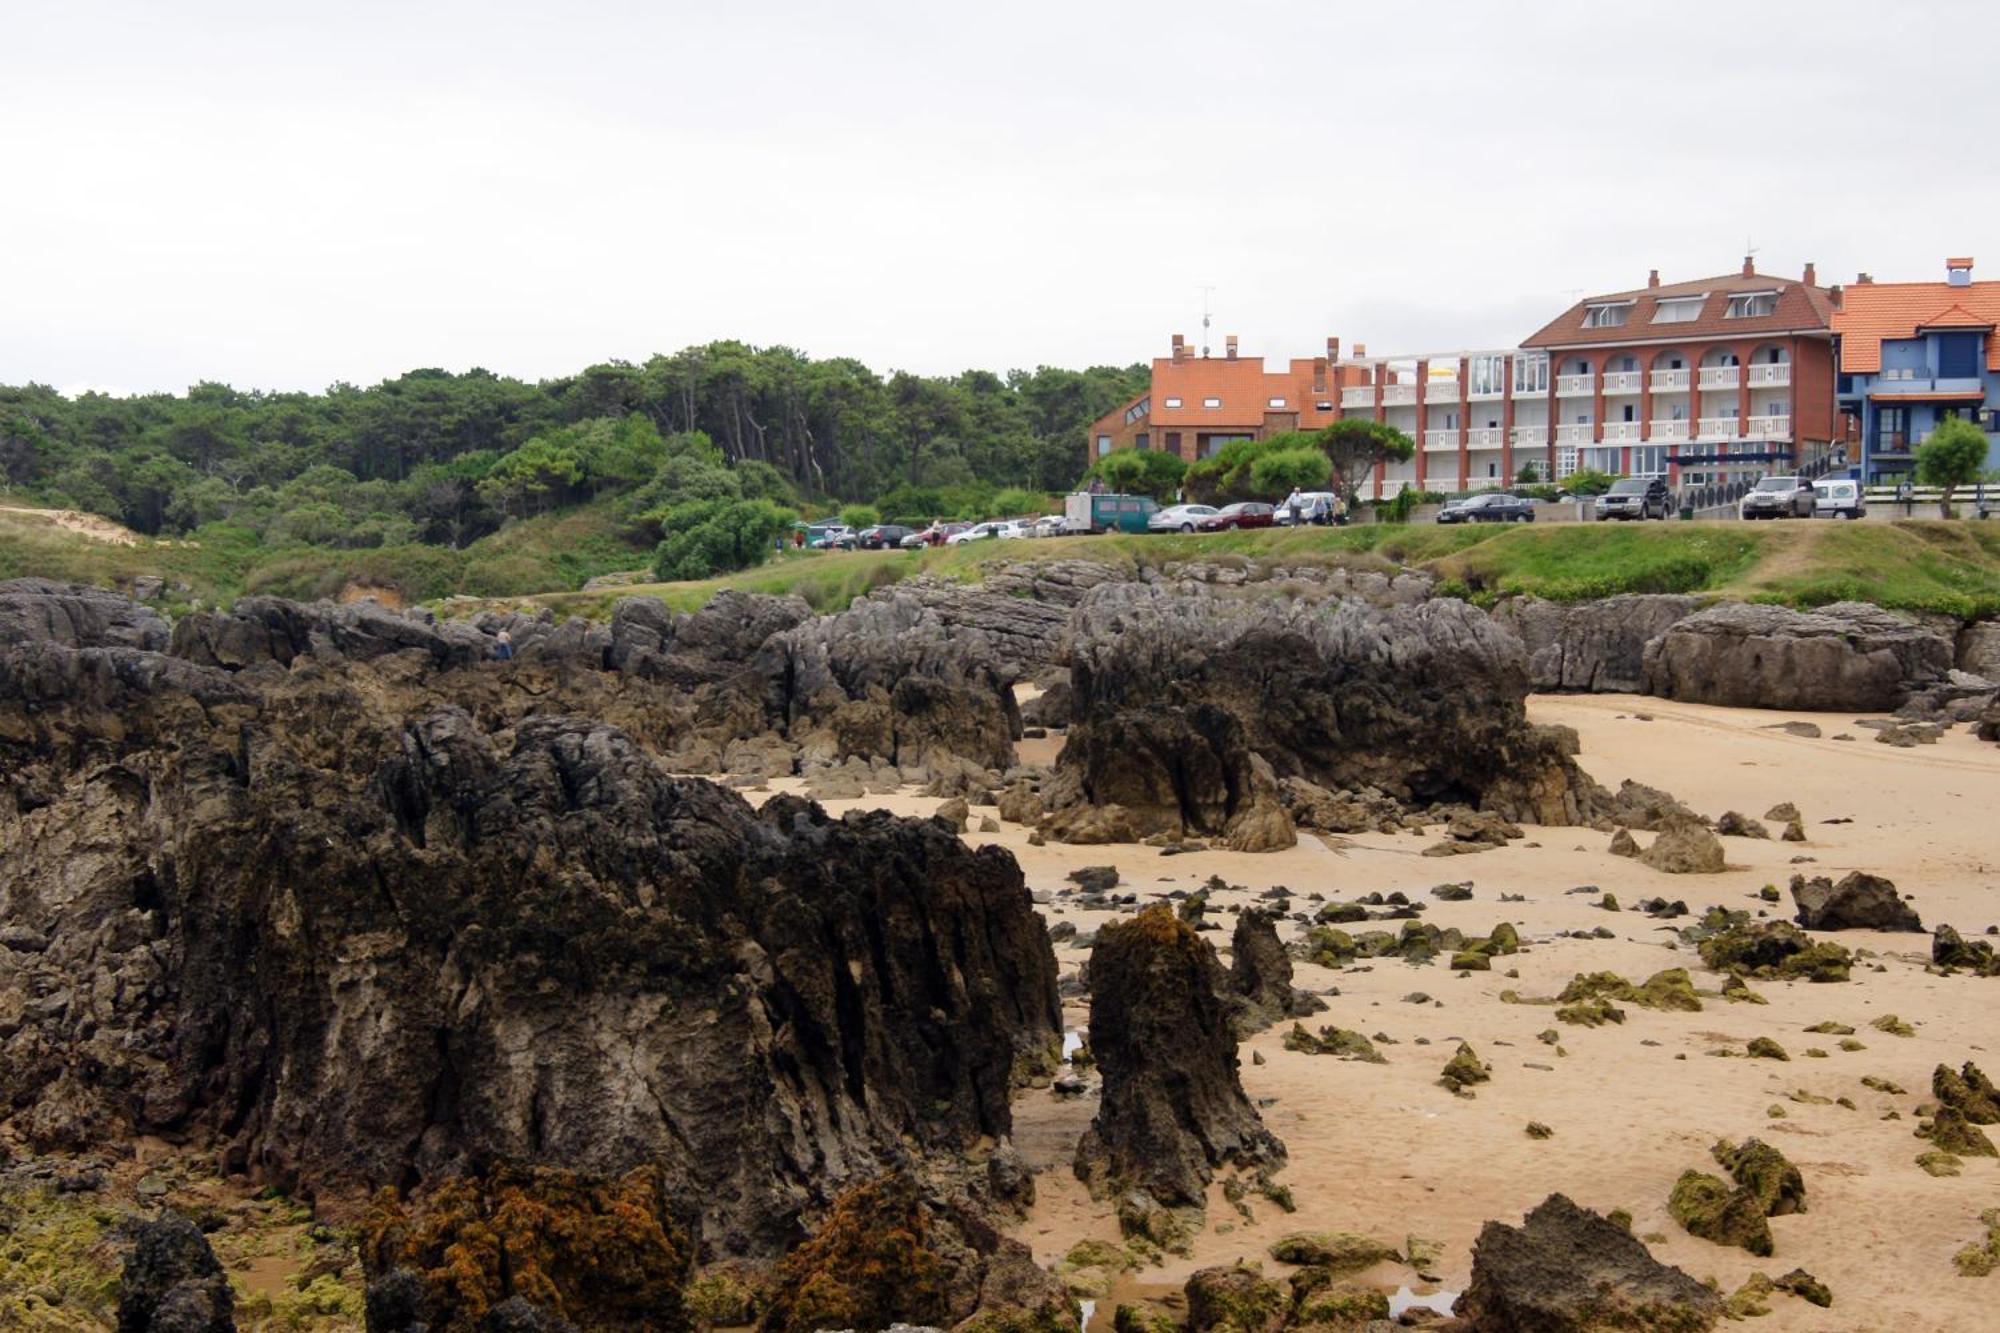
<point>1173,1107</point>
<point>75,615</point>
<point>1566,1269</point>
<point>1591,646</point>
<point>1260,973</point>
<point>1685,848</point>
<point>173,1283</point>
<point>1860,901</point>
<point>1847,656</point>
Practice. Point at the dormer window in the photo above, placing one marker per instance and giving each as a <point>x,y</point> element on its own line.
<point>1607,316</point>
<point>1173,402</point>
<point>1752,305</point>
<point>1681,310</point>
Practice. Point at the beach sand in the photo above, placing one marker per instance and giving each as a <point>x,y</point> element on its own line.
<point>1383,1150</point>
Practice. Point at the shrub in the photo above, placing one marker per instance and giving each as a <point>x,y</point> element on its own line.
<point>708,537</point>
<point>1276,475</point>
<point>1017,500</point>
<point>860,516</point>
<point>1139,472</point>
<point>1589,481</point>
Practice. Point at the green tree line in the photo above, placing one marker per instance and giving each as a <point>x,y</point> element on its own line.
<point>443,458</point>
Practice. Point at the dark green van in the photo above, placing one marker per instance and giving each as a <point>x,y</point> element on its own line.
<point>1083,512</point>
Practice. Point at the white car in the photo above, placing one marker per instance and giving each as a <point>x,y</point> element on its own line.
<point>979,532</point>
<point>1179,518</point>
<point>1049,525</point>
<point>1306,499</point>
<point>1839,498</point>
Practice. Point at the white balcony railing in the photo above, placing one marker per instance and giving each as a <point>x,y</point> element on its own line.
<point>1441,390</point>
<point>1770,428</point>
<point>1531,437</point>
<point>1719,428</point>
<point>1621,432</point>
<point>1623,381</point>
<point>1769,376</point>
<point>1666,381</point>
<point>1358,395</point>
<point>1398,395</point>
<point>1575,432</point>
<point>1668,432</point>
<point>1574,386</point>
<point>1440,441</point>
<point>1487,437</point>
<point>1721,377</point>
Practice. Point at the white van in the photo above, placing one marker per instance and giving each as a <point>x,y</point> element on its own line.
<point>1838,498</point>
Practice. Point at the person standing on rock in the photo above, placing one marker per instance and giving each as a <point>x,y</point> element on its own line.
<point>503,647</point>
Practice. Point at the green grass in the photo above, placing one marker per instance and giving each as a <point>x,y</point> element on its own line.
<point>1917,565</point>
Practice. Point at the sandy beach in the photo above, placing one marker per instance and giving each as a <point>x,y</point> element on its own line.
<point>1383,1150</point>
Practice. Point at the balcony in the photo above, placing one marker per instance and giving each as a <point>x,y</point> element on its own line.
<point>1576,432</point>
<point>1486,437</point>
<point>1358,395</point>
<point>1441,390</point>
<point>1769,376</point>
<point>1623,381</point>
<point>1575,386</point>
<point>1399,395</point>
<point>1770,428</point>
<point>1440,441</point>
<point>1718,428</point>
<point>1720,377</point>
<point>1531,437</point>
<point>1670,432</point>
<point>1668,381</point>
<point>1621,432</point>
<point>1890,443</point>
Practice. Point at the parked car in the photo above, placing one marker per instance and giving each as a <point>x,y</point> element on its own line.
<point>1084,512</point>
<point>1492,507</point>
<point>1048,525</point>
<point>1839,497</point>
<point>884,536</point>
<point>1004,529</point>
<point>1178,518</point>
<point>937,534</point>
<point>827,536</point>
<point>1242,514</point>
<point>1779,497</point>
<point>1306,501</point>
<point>1635,497</point>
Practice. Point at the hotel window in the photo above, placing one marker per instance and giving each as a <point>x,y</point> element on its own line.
<point>1211,402</point>
<point>1173,402</point>
<point>1679,311</point>
<point>1649,460</point>
<point>1275,402</point>
<point>1531,374</point>
<point>1752,305</point>
<point>1488,375</point>
<point>1606,316</point>
<point>1565,462</point>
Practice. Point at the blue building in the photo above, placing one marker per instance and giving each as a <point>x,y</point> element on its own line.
<point>1912,354</point>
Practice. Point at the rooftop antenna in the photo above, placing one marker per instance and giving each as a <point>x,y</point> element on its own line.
<point>1749,250</point>
<point>1206,292</point>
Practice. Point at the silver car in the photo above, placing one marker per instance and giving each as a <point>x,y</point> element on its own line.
<point>1179,518</point>
<point>1779,497</point>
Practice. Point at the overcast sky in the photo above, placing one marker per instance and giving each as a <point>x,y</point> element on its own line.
<point>282,195</point>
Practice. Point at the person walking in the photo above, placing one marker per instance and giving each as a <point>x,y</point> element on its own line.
<point>1295,502</point>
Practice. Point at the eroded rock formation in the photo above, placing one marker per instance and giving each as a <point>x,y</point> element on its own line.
<point>1845,656</point>
<point>1597,646</point>
<point>1173,1106</point>
<point>341,942</point>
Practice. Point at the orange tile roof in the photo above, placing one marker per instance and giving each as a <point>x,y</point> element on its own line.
<point>1244,387</point>
<point>1958,317</point>
<point>1872,311</point>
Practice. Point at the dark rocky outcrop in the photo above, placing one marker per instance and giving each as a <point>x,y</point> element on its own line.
<point>1566,1269</point>
<point>173,1283</point>
<point>76,615</point>
<point>1173,1107</point>
<point>1595,646</point>
<point>1183,705</point>
<point>1845,656</point>
<point>1260,975</point>
<point>1950,949</point>
<point>1860,901</point>
<point>342,944</point>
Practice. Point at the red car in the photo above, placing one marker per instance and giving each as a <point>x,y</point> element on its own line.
<point>1244,514</point>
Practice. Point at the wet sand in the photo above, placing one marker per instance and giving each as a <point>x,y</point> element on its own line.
<point>1383,1150</point>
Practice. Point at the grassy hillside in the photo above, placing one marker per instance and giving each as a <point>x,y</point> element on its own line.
<point>1924,565</point>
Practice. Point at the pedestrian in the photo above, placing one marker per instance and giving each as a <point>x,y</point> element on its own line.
<point>1320,516</point>
<point>1293,502</point>
<point>503,647</point>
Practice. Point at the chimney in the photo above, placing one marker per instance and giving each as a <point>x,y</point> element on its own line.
<point>1333,350</point>
<point>1958,272</point>
<point>1812,275</point>
<point>1229,346</point>
<point>1360,351</point>
<point>1180,349</point>
<point>1653,277</point>
<point>1835,294</point>
<point>1749,266</point>
<point>1863,279</point>
<point>1319,374</point>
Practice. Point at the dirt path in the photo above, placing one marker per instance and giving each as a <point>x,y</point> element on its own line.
<point>93,527</point>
